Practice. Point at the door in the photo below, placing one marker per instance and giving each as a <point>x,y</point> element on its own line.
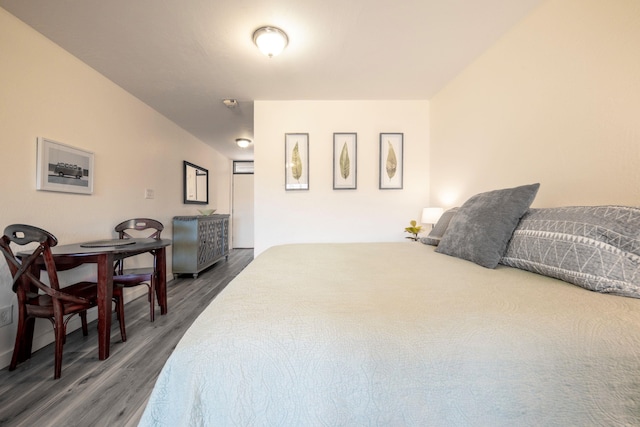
<point>242,210</point>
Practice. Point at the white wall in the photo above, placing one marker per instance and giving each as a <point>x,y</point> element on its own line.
<point>44,91</point>
<point>322,214</point>
<point>555,101</point>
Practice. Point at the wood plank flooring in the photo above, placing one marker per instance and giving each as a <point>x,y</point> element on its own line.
<point>112,392</point>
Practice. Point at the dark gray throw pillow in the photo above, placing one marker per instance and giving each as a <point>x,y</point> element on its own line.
<point>436,233</point>
<point>483,225</point>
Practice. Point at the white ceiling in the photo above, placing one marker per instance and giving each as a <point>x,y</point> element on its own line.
<point>182,57</point>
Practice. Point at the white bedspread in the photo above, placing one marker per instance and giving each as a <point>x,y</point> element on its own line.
<point>394,334</point>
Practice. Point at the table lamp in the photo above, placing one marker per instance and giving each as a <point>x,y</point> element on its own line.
<point>431,215</point>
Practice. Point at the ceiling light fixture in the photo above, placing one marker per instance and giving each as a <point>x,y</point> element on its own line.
<point>243,142</point>
<point>270,40</point>
<point>230,103</point>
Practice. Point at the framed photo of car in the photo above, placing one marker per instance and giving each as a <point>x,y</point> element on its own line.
<point>63,168</point>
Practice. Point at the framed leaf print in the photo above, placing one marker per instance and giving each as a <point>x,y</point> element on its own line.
<point>296,151</point>
<point>391,160</point>
<point>344,161</point>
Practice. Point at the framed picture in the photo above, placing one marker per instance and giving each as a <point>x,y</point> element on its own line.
<point>296,151</point>
<point>345,156</point>
<point>63,168</point>
<point>391,160</point>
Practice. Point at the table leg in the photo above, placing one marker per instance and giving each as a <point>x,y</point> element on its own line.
<point>161,286</point>
<point>105,294</point>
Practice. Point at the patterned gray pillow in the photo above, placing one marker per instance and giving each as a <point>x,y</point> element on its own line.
<point>481,229</point>
<point>436,233</point>
<point>596,247</point>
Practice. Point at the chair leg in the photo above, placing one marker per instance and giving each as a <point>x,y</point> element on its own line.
<point>27,342</point>
<point>19,347</point>
<point>83,319</point>
<point>60,332</point>
<point>120,315</point>
<point>152,297</point>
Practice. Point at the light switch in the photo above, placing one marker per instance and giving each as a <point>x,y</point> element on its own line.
<point>149,193</point>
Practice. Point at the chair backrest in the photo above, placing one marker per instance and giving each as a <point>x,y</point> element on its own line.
<point>139,224</point>
<point>23,269</point>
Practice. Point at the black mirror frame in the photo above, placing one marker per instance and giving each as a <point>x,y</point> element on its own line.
<point>199,171</point>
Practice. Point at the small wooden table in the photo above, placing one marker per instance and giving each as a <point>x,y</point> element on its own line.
<point>104,253</point>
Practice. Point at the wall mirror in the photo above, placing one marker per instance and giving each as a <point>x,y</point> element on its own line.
<point>196,184</point>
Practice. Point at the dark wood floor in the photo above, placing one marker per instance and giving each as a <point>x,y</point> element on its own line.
<point>112,392</point>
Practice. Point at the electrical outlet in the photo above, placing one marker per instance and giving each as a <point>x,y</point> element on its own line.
<point>6,315</point>
<point>149,193</point>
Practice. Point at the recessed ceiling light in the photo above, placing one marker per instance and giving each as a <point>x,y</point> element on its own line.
<point>270,40</point>
<point>243,142</point>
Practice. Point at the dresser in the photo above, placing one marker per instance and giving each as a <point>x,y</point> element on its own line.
<point>199,242</point>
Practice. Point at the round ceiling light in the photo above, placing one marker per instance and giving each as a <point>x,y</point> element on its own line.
<point>270,40</point>
<point>243,142</point>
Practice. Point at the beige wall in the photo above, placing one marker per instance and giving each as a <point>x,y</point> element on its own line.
<point>322,214</point>
<point>46,92</point>
<point>555,101</point>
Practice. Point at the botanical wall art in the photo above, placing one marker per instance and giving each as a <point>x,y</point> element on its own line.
<point>344,161</point>
<point>63,168</point>
<point>391,160</point>
<point>296,149</point>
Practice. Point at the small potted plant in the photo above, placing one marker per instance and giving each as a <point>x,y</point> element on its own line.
<point>414,229</point>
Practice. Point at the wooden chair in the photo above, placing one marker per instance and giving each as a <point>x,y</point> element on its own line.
<point>39,300</point>
<point>124,278</point>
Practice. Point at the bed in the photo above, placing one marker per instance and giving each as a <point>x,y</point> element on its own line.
<point>400,334</point>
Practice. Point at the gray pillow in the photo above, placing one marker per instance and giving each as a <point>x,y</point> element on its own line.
<point>482,227</point>
<point>595,247</point>
<point>436,233</point>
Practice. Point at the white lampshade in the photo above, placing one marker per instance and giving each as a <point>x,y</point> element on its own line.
<point>270,40</point>
<point>431,215</point>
